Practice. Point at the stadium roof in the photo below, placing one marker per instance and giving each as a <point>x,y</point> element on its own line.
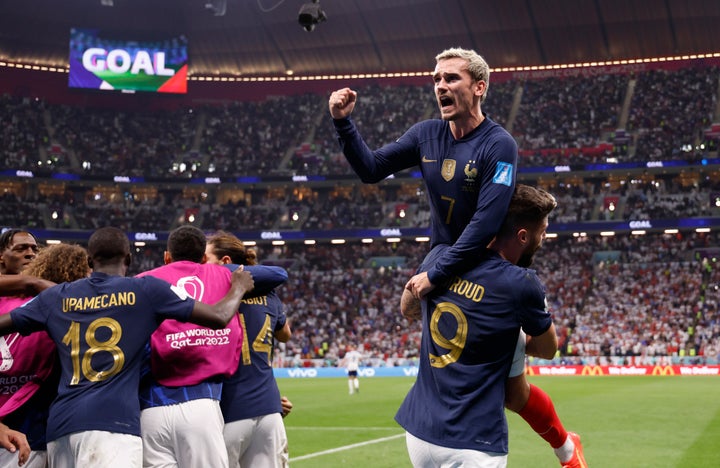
<point>263,37</point>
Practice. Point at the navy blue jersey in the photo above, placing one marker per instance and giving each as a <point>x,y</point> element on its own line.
<point>252,391</point>
<point>469,182</point>
<point>100,325</point>
<point>470,329</point>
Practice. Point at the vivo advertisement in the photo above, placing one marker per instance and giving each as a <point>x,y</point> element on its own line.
<point>101,61</point>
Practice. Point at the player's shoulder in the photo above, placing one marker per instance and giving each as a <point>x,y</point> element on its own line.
<point>497,132</point>
<point>524,281</point>
<point>506,272</point>
<point>432,257</point>
<point>214,269</point>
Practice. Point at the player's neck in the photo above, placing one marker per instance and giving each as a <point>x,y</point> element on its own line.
<point>112,270</point>
<point>505,251</point>
<point>464,126</point>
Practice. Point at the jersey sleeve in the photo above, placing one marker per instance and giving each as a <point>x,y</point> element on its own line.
<point>266,278</point>
<point>31,316</point>
<point>278,310</point>
<point>496,191</point>
<point>534,315</point>
<point>374,166</point>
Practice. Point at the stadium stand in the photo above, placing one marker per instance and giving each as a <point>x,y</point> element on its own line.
<point>619,298</point>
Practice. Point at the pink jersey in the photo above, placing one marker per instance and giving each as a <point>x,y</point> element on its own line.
<point>25,362</point>
<point>185,354</point>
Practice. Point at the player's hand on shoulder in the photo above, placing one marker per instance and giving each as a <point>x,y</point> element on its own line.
<point>243,279</point>
<point>420,285</point>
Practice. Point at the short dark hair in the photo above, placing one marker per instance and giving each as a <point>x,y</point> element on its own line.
<point>529,207</point>
<point>7,236</point>
<point>108,245</point>
<point>187,243</point>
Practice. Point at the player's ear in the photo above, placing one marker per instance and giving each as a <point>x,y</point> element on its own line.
<point>226,260</point>
<point>522,235</point>
<point>167,258</point>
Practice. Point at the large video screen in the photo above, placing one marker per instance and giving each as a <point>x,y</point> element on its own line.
<point>100,60</point>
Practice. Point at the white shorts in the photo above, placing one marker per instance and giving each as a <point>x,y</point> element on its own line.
<point>518,363</point>
<point>37,459</point>
<point>426,455</point>
<point>185,435</point>
<point>92,449</point>
<point>260,442</point>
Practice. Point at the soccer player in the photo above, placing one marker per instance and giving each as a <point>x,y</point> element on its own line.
<point>454,413</point>
<point>18,249</point>
<point>30,360</point>
<point>351,361</point>
<point>251,402</point>
<point>100,326</point>
<point>468,163</point>
<point>181,421</point>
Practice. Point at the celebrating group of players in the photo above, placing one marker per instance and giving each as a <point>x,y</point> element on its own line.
<point>146,373</point>
<point>481,309</point>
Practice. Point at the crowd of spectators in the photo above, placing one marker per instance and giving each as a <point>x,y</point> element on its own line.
<point>646,301</point>
<point>556,121</point>
<point>670,109</point>
<point>23,135</point>
<point>350,206</point>
<point>106,142</point>
<point>622,299</point>
<point>628,298</point>
<point>571,112</point>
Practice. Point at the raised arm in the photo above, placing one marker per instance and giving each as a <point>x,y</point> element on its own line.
<point>371,166</point>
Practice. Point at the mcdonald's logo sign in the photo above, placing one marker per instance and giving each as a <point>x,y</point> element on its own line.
<point>663,370</point>
<point>592,370</point>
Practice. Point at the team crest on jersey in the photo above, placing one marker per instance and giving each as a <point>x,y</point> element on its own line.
<point>503,174</point>
<point>470,174</point>
<point>448,170</point>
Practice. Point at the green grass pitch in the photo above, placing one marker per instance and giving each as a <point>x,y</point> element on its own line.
<point>624,421</point>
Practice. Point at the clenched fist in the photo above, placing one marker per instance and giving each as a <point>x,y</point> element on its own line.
<point>342,102</point>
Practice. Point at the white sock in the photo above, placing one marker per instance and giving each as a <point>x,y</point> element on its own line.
<point>565,451</point>
<point>350,387</point>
